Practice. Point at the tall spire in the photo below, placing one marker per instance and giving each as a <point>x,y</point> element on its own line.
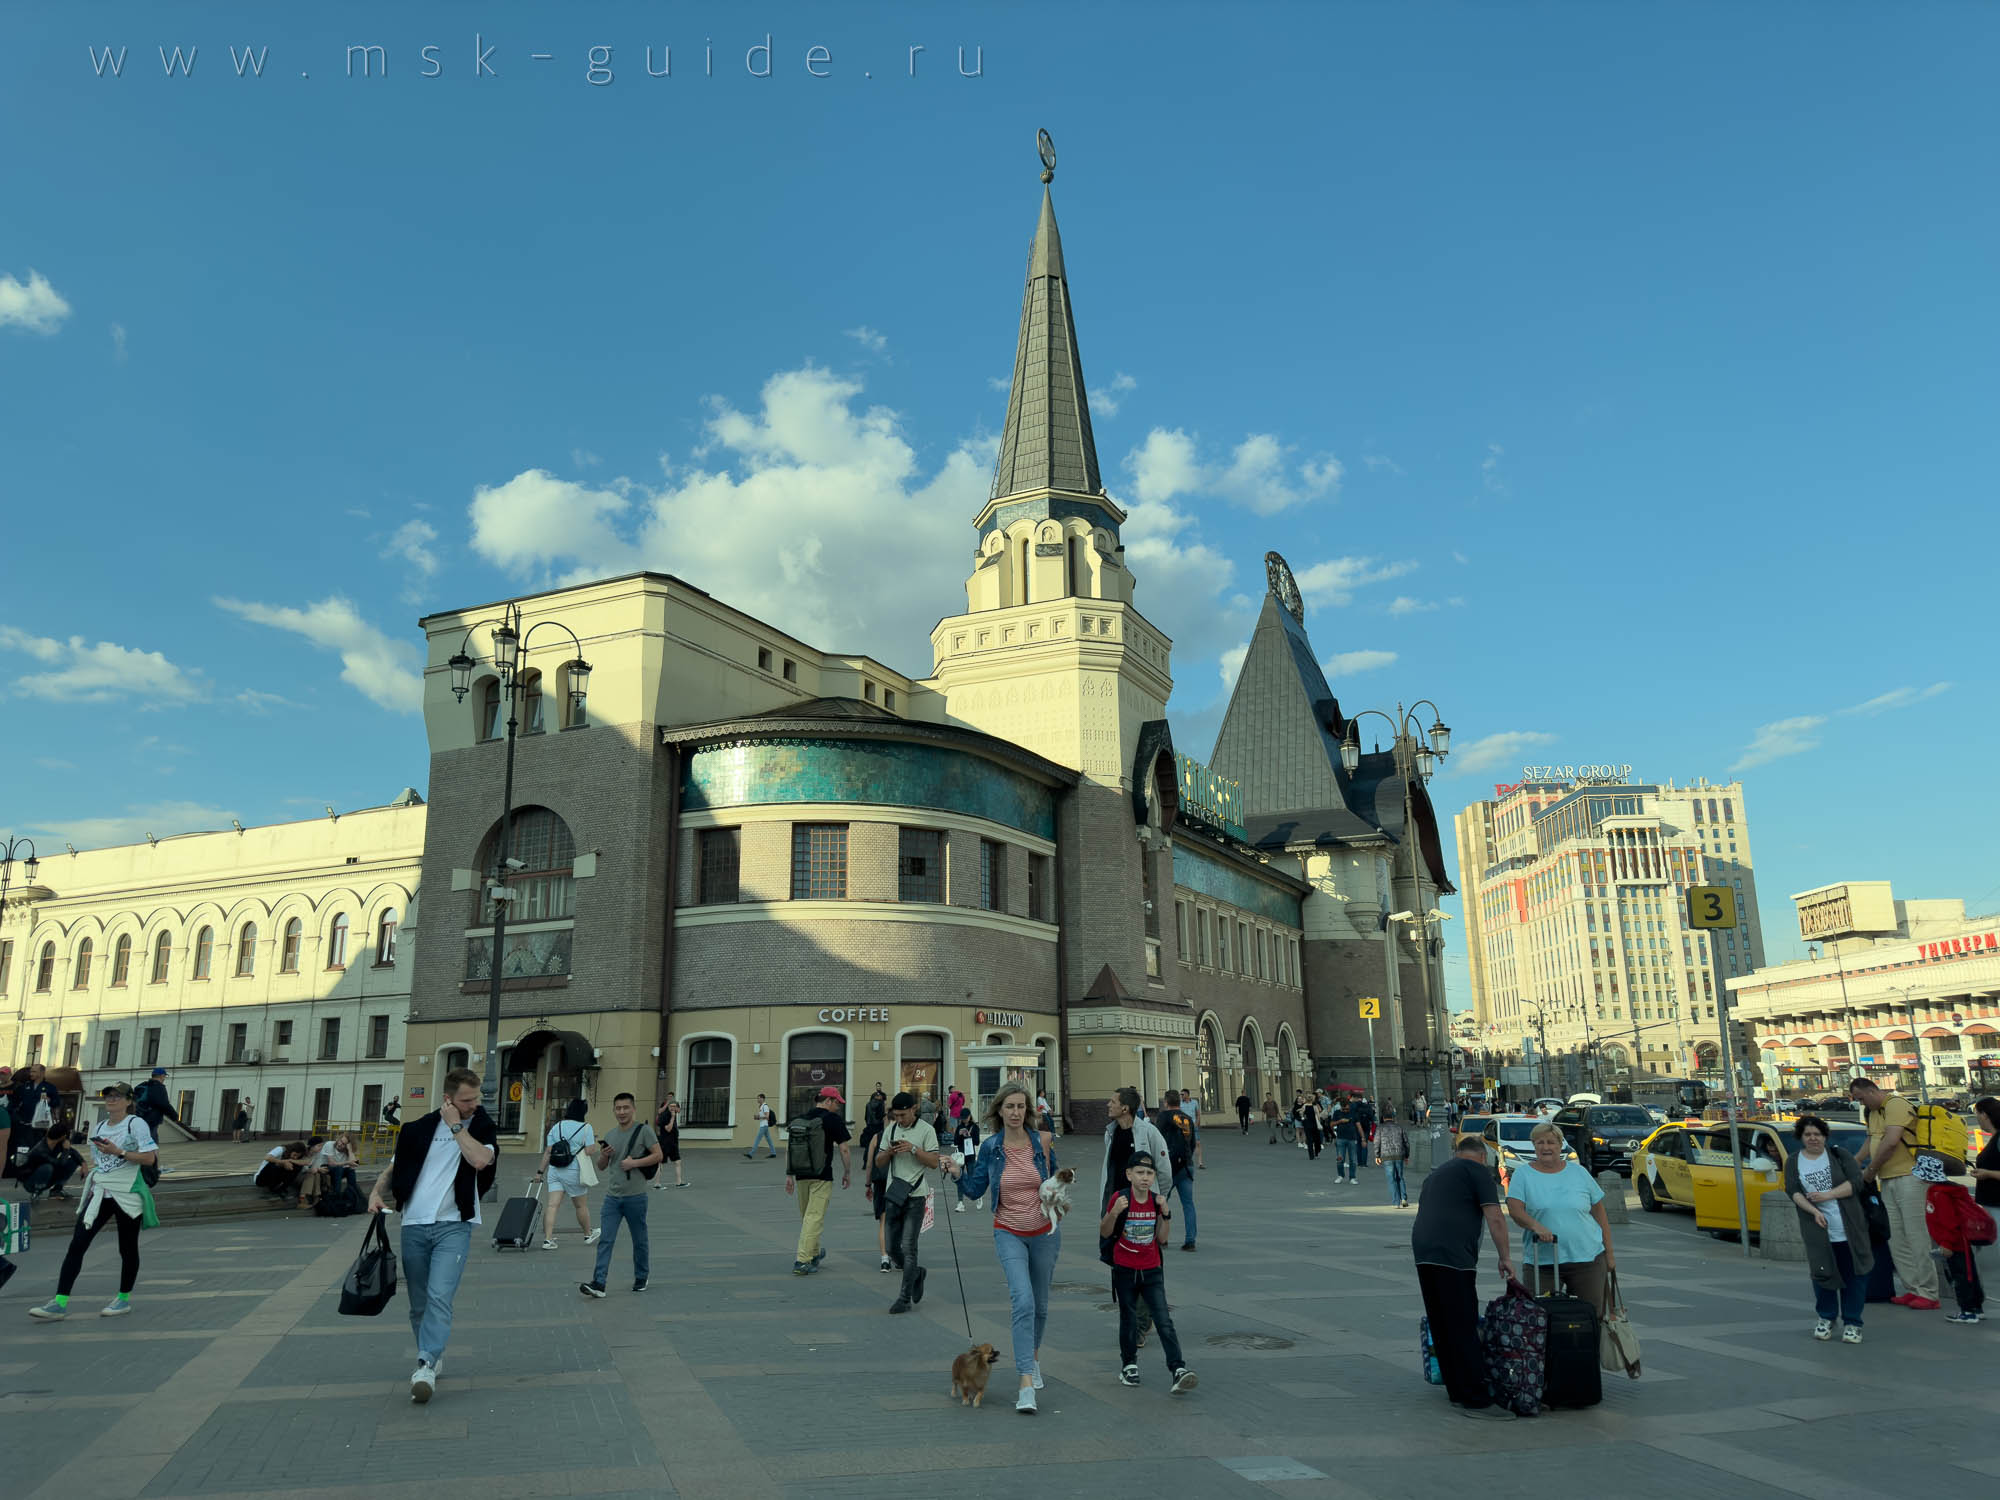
<point>1047,443</point>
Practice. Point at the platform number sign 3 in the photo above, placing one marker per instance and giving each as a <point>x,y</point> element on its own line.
<point>1371,1008</point>
<point>1711,906</point>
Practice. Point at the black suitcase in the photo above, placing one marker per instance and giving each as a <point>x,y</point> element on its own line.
<point>516,1229</point>
<point>1571,1375</point>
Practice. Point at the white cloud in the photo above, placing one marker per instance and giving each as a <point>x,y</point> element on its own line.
<point>1780,738</point>
<point>81,672</point>
<point>118,342</point>
<point>1347,663</point>
<point>1489,470</point>
<point>1001,383</point>
<point>1335,580</point>
<point>1105,401</point>
<point>869,339</point>
<point>1494,750</point>
<point>385,670</point>
<point>1459,557</point>
<point>33,304</point>
<point>583,458</point>
<point>411,542</point>
<point>1231,665</point>
<point>51,763</point>
<point>1456,601</point>
<point>160,819</point>
<point>1403,604</point>
<point>261,702</point>
<point>1381,461</point>
<point>1901,697</point>
<point>1259,474</point>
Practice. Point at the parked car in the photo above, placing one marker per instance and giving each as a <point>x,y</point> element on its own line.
<point>1508,1144</point>
<point>1691,1166</point>
<point>1605,1135</point>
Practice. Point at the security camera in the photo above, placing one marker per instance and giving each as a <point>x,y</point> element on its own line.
<point>515,864</point>
<point>1402,916</point>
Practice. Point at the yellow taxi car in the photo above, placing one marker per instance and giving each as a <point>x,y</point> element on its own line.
<point>1691,1166</point>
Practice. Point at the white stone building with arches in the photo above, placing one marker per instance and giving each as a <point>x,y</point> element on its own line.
<point>263,965</point>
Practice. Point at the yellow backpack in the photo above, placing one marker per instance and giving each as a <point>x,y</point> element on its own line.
<point>1936,1131</point>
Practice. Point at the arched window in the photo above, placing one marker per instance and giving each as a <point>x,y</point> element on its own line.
<point>491,705</point>
<point>45,971</point>
<point>336,942</point>
<point>531,703</point>
<point>541,884</point>
<point>121,961</point>
<point>708,1082</point>
<point>288,956</point>
<point>814,1060</point>
<point>246,951</point>
<point>163,956</point>
<point>922,1072</point>
<point>204,951</point>
<point>385,939</point>
<point>79,978</point>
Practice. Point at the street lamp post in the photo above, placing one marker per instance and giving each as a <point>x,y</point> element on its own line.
<point>1916,1041</point>
<point>9,852</point>
<point>510,649</point>
<point>1817,952</point>
<point>1419,750</point>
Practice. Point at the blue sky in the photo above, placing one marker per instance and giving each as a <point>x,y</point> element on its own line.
<point>1627,372</point>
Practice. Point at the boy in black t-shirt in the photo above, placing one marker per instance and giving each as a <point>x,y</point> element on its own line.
<point>1135,1221</point>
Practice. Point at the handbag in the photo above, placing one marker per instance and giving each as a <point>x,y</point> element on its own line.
<point>371,1281</point>
<point>895,1190</point>
<point>1617,1340</point>
<point>586,1171</point>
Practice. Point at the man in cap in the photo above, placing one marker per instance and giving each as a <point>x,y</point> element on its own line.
<point>813,1189</point>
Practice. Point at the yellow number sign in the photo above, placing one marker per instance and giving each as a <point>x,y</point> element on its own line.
<point>1711,906</point>
<point>1371,1008</point>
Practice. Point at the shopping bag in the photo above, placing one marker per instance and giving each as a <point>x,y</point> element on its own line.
<point>1617,1340</point>
<point>586,1171</point>
<point>14,1233</point>
<point>371,1280</point>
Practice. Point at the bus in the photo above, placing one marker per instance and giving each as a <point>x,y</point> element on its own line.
<point>1677,1098</point>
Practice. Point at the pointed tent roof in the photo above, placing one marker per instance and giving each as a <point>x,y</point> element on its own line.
<point>1046,442</point>
<point>1280,740</point>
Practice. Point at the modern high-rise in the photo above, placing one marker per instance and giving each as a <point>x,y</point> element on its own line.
<point>1575,917</point>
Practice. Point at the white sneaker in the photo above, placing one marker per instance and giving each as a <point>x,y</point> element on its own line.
<point>1035,1376</point>
<point>422,1383</point>
<point>887,1264</point>
<point>117,1307</point>
<point>959,1207</point>
<point>548,1244</point>
<point>1025,1402</point>
<point>593,1237</point>
<point>1184,1379</point>
<point>1850,1334</point>
<point>1823,1329</point>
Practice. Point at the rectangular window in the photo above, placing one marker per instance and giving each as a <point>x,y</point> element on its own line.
<point>919,864</point>
<point>110,1050</point>
<point>791,673</point>
<point>371,1103</point>
<point>186,1105</point>
<point>868,691</point>
<point>1181,930</point>
<point>1038,888</point>
<point>6,964</point>
<point>763,659</point>
<point>889,699</point>
<point>1257,966</point>
<point>284,1034</point>
<point>329,1038</point>
<point>239,1038</point>
<point>819,861</point>
<point>322,1110</point>
<point>1242,947</point>
<point>992,875</point>
<point>1222,942</point>
<point>72,1049</point>
<point>1201,937</point>
<point>34,1049</point>
<point>721,866</point>
<point>378,1036</point>
<point>149,1048</point>
<point>191,1054</point>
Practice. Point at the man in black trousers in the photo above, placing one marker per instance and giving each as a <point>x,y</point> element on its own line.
<point>1458,1196</point>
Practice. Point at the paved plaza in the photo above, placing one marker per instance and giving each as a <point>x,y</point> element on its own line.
<point>732,1378</point>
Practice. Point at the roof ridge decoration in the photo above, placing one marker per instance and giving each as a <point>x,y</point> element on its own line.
<point>1046,443</point>
<point>1284,588</point>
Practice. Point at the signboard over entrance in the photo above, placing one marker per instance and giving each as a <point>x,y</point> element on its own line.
<point>997,1018</point>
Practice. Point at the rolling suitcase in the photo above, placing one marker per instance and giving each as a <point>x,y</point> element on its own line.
<point>516,1229</point>
<point>1571,1373</point>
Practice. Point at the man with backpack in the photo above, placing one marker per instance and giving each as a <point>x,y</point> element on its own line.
<point>1175,1125</point>
<point>809,1142</point>
<point>150,1102</point>
<point>1887,1165</point>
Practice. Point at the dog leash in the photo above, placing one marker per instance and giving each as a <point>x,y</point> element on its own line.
<point>952,1234</point>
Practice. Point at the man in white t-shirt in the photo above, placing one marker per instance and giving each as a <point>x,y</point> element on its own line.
<point>765,1120</point>
<point>444,1164</point>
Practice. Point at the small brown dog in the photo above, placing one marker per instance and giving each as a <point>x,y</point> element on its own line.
<point>969,1372</point>
<point>1055,1194</point>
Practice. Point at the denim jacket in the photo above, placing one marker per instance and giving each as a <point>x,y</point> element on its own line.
<point>991,1160</point>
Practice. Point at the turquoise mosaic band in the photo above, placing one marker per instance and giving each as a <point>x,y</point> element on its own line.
<point>1207,877</point>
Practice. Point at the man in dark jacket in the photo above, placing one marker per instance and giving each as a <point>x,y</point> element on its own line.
<point>150,1102</point>
<point>443,1166</point>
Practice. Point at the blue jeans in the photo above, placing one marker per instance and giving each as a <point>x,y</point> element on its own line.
<point>1398,1192</point>
<point>433,1261</point>
<point>630,1207</point>
<point>1030,1265</point>
<point>1184,1185</point>
<point>1346,1158</point>
<point>1847,1303</point>
<point>764,1140</point>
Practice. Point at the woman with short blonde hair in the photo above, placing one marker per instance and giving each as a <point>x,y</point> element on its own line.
<point>1560,1206</point>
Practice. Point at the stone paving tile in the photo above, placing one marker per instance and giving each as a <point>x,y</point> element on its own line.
<point>1200,1480</point>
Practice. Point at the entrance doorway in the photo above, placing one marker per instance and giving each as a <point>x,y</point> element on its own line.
<point>226,1121</point>
<point>274,1111</point>
<point>814,1060</point>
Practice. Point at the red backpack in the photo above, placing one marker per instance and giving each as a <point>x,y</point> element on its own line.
<point>1955,1220</point>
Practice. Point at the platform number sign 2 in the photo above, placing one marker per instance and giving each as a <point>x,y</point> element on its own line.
<point>1711,906</point>
<point>1371,1008</point>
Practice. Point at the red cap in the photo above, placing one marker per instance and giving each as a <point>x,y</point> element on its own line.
<point>830,1092</point>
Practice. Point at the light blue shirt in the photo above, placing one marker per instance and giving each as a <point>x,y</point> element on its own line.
<point>1562,1201</point>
